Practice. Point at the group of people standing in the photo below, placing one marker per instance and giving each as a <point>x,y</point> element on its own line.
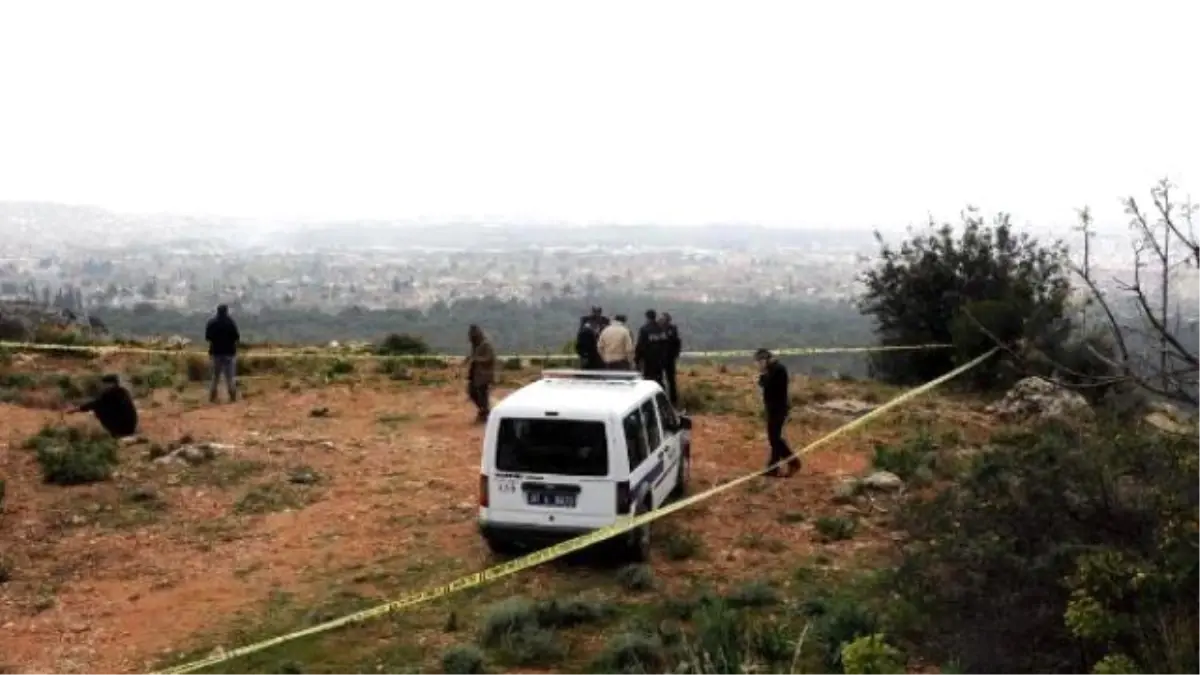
<point>604,344</point>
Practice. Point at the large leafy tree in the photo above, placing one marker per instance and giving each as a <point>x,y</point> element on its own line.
<point>971,286</point>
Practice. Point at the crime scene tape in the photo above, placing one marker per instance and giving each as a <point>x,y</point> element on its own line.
<point>559,550</point>
<point>332,353</point>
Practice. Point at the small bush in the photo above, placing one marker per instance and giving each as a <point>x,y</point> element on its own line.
<point>871,655</point>
<point>402,344</point>
<point>74,455</point>
<point>396,369</point>
<point>463,659</point>
<point>631,653</point>
<point>835,528</point>
<point>636,578</point>
<point>510,615</point>
<point>915,455</point>
<point>512,363</point>
<point>681,545</point>
<point>340,367</point>
<point>555,613</point>
<point>6,569</point>
<point>532,647</point>
<point>753,594</point>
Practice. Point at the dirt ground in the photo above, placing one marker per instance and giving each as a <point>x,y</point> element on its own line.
<point>103,583</point>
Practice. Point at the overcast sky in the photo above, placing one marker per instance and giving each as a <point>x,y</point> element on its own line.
<point>790,113</point>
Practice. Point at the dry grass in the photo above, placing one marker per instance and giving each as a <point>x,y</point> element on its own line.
<point>204,563</point>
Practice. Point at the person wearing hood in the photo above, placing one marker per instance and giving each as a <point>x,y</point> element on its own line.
<point>481,371</point>
<point>223,337</point>
<point>113,408</point>
<point>616,345</point>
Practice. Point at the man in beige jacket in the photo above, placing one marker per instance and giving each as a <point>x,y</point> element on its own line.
<point>616,345</point>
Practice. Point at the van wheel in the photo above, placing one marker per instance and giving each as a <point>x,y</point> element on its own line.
<point>684,476</point>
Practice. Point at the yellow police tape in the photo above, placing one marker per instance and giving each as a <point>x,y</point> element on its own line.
<point>559,550</point>
<point>330,353</point>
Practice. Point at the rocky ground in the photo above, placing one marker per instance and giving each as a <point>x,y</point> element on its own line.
<point>327,489</point>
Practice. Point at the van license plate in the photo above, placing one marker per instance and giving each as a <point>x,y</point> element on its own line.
<point>550,499</point>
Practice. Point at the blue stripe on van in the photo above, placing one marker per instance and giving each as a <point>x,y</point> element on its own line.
<point>651,477</point>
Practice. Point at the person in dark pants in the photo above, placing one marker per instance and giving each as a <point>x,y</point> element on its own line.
<point>223,338</point>
<point>650,353</point>
<point>773,380</point>
<point>674,349</point>
<point>481,372</point>
<point>113,408</point>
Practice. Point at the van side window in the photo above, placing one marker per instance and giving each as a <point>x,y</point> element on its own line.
<point>650,415</point>
<point>666,411</point>
<point>635,439</point>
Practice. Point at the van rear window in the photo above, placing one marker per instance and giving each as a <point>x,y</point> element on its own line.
<point>540,445</point>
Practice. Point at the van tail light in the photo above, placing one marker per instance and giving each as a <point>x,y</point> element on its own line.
<point>483,490</point>
<point>623,497</point>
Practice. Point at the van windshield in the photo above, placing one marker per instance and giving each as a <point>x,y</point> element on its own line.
<point>564,447</point>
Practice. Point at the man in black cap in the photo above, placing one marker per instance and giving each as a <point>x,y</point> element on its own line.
<point>773,380</point>
<point>223,338</point>
<point>113,408</point>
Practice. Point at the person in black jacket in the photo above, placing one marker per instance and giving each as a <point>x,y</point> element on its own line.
<point>674,349</point>
<point>773,380</point>
<point>650,352</point>
<point>113,408</point>
<point>587,340</point>
<point>223,338</point>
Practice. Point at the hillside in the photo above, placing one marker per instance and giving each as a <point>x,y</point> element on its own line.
<point>172,559</point>
<point>336,484</point>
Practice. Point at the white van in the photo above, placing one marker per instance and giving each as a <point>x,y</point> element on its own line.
<point>575,451</point>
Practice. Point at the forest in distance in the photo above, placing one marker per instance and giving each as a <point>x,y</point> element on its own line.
<point>521,327</point>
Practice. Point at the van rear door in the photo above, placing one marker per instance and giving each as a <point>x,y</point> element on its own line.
<point>552,471</point>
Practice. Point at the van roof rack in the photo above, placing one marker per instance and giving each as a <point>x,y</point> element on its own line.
<point>593,375</point>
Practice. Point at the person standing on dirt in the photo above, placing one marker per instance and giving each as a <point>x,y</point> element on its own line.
<point>674,349</point>
<point>616,345</point>
<point>651,351</point>
<point>773,380</point>
<point>113,408</point>
<point>587,340</point>
<point>223,338</point>
<point>481,371</point>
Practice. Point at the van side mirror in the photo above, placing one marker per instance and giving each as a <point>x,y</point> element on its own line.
<point>685,422</point>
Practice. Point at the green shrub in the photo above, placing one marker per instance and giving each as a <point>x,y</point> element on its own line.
<point>871,655</point>
<point>908,459</point>
<point>681,544</point>
<point>636,578</point>
<point>402,344</point>
<point>74,455</point>
<point>463,659</point>
<point>835,528</point>
<point>1080,542</point>
<point>510,615</point>
<point>197,368</point>
<point>555,613</point>
<point>340,367</point>
<point>756,593</point>
<point>512,363</point>
<point>631,653</point>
